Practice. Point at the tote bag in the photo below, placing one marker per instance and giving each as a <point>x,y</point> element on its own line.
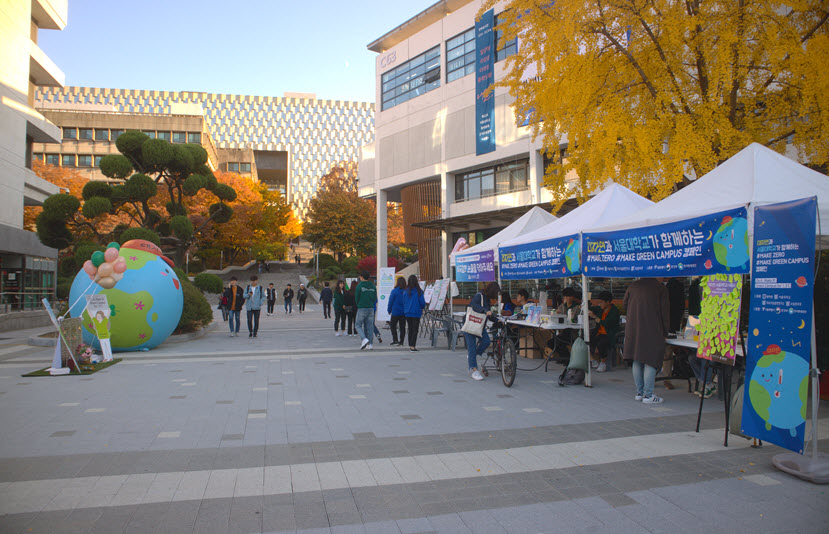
<point>474,322</point>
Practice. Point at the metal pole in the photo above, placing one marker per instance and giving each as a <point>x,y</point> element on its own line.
<point>222,260</point>
<point>588,381</point>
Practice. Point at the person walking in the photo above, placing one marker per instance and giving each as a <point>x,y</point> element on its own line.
<point>236,301</point>
<point>339,311</point>
<point>350,308</point>
<point>288,297</point>
<point>297,259</point>
<point>301,297</point>
<point>646,304</point>
<point>475,346</point>
<point>413,310</point>
<point>396,309</point>
<point>223,305</point>
<point>254,297</point>
<point>366,298</point>
<point>270,295</point>
<point>326,296</point>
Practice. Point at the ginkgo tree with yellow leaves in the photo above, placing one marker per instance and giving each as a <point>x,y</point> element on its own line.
<point>649,92</point>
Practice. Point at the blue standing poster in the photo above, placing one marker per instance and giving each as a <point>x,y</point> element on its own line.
<point>484,76</point>
<point>780,323</point>
<point>476,267</point>
<point>551,258</point>
<point>702,246</point>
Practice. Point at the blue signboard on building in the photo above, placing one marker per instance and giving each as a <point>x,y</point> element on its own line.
<point>780,323</point>
<point>484,77</point>
<point>477,267</point>
<point>712,244</point>
<point>551,258</point>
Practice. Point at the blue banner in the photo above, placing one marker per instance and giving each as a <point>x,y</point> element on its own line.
<point>712,244</point>
<point>477,267</point>
<point>484,77</point>
<point>551,258</point>
<point>780,323</point>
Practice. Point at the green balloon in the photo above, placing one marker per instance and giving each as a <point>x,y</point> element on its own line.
<point>114,245</point>
<point>97,258</point>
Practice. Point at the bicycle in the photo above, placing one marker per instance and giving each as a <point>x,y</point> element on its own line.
<point>503,353</point>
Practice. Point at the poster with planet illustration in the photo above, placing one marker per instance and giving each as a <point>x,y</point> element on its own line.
<point>780,323</point>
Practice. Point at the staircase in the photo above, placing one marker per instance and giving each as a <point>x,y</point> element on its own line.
<point>281,274</point>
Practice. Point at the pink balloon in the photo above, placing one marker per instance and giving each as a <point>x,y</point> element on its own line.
<point>120,266</point>
<point>104,270</point>
<point>89,268</point>
<point>111,254</point>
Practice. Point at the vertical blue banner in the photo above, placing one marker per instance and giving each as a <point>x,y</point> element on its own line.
<point>477,267</point>
<point>484,77</point>
<point>551,258</point>
<point>712,244</point>
<point>780,323</point>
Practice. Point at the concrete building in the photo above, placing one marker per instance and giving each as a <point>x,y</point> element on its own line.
<point>27,268</point>
<point>287,142</point>
<point>424,154</point>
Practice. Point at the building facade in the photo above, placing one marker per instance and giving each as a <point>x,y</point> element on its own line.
<point>287,142</point>
<point>426,134</point>
<point>27,267</point>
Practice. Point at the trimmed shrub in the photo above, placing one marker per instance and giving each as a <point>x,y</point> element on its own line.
<point>140,187</point>
<point>140,233</point>
<point>95,207</point>
<point>209,283</point>
<point>95,188</point>
<point>115,166</point>
<point>182,227</point>
<point>350,264</point>
<point>197,312</point>
<point>157,153</point>
<point>61,206</point>
<point>63,287</point>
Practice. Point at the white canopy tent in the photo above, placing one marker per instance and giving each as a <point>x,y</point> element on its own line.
<point>755,175</point>
<point>612,204</point>
<point>530,221</point>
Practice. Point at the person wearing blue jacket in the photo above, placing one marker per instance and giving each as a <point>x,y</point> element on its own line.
<point>413,309</point>
<point>254,297</point>
<point>396,308</point>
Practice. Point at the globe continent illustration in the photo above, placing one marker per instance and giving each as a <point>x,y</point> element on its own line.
<point>571,255</point>
<point>731,242</point>
<point>145,305</point>
<point>778,389</point>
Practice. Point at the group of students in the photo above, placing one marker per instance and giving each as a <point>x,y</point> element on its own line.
<point>357,307</point>
<point>252,298</point>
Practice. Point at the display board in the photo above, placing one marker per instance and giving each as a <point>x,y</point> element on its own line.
<point>476,267</point>
<point>551,258</point>
<point>719,321</point>
<point>385,283</point>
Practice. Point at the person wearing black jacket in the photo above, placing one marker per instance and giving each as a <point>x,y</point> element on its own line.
<point>288,296</point>
<point>270,294</point>
<point>235,303</point>
<point>301,297</point>
<point>326,296</point>
<point>350,309</point>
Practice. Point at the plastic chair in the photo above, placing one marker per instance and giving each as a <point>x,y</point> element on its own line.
<point>451,328</point>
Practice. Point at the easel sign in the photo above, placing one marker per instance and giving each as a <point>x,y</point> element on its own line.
<point>97,312</point>
<point>57,363</point>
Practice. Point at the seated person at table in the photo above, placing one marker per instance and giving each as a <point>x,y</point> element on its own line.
<point>603,339</point>
<point>569,296</point>
<point>706,387</point>
<point>507,307</point>
<point>522,298</point>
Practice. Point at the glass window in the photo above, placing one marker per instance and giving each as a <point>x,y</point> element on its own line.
<point>460,55</point>
<point>179,137</point>
<point>85,133</point>
<point>491,181</point>
<point>53,159</point>
<point>151,133</point>
<point>67,160</point>
<point>232,167</point>
<point>115,134</point>
<point>98,160</point>
<point>504,49</point>
<point>38,156</point>
<point>194,137</point>
<point>244,167</point>
<point>413,78</point>
<point>70,133</point>
<point>164,135</point>
<point>84,161</point>
<point>101,134</point>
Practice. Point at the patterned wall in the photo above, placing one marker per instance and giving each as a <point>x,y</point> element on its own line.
<point>315,133</point>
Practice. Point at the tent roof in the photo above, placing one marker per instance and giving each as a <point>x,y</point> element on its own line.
<point>755,175</point>
<point>532,220</point>
<point>613,203</point>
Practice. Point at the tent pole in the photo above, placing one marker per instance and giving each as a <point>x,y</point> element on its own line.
<point>588,380</point>
<point>815,387</point>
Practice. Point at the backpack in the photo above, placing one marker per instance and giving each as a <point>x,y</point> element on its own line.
<point>571,377</point>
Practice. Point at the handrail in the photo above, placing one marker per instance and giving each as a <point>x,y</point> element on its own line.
<point>15,301</point>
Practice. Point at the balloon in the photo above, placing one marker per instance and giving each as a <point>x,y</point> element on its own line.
<point>114,245</point>
<point>111,254</point>
<point>120,266</point>
<point>107,283</point>
<point>105,270</point>
<point>97,258</point>
<point>88,268</point>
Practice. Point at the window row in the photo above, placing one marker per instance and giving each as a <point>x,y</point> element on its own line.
<point>70,160</point>
<point>422,73</point>
<point>238,167</point>
<point>107,134</point>
<point>491,181</point>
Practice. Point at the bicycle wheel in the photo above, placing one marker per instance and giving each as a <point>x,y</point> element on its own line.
<point>509,362</point>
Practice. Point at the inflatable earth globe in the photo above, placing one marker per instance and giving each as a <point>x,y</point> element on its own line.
<point>145,305</point>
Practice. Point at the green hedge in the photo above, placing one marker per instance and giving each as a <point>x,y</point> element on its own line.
<point>209,283</point>
<point>197,312</point>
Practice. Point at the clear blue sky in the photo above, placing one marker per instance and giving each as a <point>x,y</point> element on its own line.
<point>256,47</point>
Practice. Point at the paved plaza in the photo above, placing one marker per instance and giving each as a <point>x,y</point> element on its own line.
<point>300,431</point>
